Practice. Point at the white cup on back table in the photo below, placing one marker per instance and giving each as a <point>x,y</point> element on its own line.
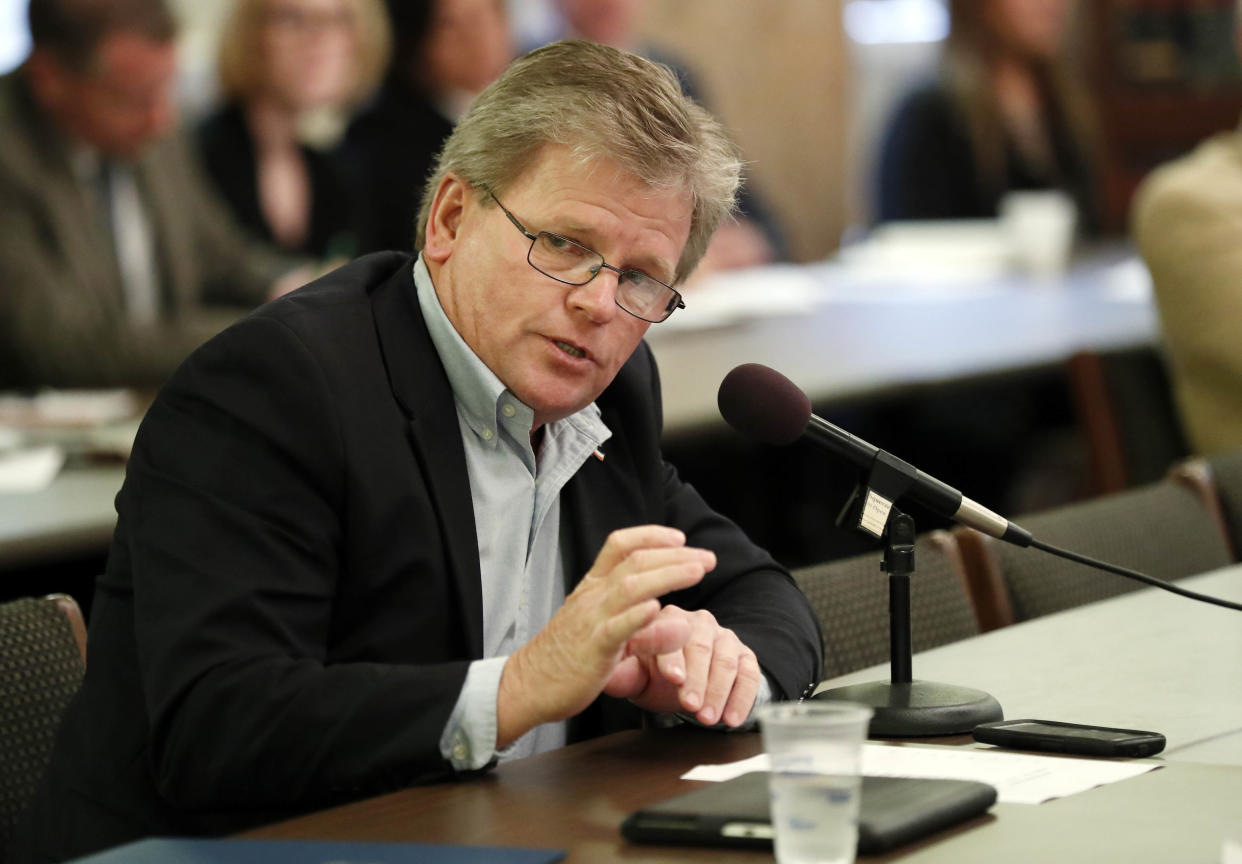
<point>1040,229</point>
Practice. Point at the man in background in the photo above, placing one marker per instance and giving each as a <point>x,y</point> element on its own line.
<point>111,247</point>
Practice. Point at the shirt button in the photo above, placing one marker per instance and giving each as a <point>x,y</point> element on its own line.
<point>460,752</point>
<point>508,410</point>
<point>487,433</point>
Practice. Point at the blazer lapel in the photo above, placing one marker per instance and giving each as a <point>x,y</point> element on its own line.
<point>422,389</point>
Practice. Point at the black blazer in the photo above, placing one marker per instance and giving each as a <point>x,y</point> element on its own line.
<point>293,596</point>
<point>390,149</point>
<point>928,168</point>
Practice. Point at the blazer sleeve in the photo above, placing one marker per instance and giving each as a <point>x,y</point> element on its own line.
<point>233,519</point>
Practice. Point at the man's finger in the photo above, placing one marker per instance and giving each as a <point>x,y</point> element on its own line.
<point>663,636</point>
<point>628,679</point>
<point>698,656</point>
<point>745,689</point>
<point>721,676</point>
<point>620,627</point>
<point>636,587</point>
<point>672,667</point>
<point>622,542</point>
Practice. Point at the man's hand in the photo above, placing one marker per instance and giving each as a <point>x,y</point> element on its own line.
<point>567,664</point>
<point>713,676</point>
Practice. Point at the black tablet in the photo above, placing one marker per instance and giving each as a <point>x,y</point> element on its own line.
<point>894,811</point>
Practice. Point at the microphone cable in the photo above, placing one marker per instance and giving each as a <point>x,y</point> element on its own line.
<point>1132,574</point>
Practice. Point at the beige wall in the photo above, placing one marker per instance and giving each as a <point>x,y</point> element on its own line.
<point>775,72</point>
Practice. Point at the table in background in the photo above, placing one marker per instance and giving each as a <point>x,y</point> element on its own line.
<point>850,333</point>
<point>56,540</point>
<point>1147,659</point>
<point>72,517</point>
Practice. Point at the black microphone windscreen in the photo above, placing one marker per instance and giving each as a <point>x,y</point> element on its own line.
<point>762,403</point>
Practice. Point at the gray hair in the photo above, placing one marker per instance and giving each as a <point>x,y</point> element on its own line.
<point>600,103</point>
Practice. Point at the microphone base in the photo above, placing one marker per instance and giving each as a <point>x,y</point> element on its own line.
<point>919,708</point>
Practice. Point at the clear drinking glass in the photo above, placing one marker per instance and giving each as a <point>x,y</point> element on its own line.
<point>815,749</point>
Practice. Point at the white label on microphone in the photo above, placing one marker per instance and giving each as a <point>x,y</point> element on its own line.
<point>875,513</point>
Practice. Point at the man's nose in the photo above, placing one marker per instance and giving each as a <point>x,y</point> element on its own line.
<point>597,298</point>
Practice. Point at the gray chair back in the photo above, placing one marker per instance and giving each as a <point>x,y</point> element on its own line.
<point>1162,529</point>
<point>850,598</point>
<point>42,659</point>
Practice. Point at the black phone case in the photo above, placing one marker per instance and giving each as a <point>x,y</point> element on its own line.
<point>1138,744</point>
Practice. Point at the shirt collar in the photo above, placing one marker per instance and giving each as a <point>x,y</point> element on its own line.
<point>482,398</point>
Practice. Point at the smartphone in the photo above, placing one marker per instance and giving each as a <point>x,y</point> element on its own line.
<point>1055,737</point>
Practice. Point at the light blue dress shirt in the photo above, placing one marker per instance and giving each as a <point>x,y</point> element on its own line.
<point>516,497</point>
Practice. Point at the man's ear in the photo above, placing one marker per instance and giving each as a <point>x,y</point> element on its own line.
<point>444,217</point>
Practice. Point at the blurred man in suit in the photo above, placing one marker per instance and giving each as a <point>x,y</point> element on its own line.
<point>414,518</point>
<point>110,243</point>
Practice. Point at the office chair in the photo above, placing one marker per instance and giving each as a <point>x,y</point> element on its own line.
<point>42,659</point>
<point>1124,401</point>
<point>1162,529</point>
<point>850,599</point>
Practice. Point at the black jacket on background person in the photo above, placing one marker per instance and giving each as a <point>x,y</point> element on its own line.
<point>228,154</point>
<point>293,596</point>
<point>390,149</point>
<point>928,168</point>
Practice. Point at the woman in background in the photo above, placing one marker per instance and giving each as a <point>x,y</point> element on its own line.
<point>285,64</point>
<point>447,51</point>
<point>1004,114</point>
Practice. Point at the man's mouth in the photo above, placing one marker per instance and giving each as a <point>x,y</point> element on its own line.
<point>571,350</point>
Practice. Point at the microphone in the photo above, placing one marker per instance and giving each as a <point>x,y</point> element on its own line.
<point>763,404</point>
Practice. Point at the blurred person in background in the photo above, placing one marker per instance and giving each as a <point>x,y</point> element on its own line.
<point>283,63</point>
<point>1187,222</point>
<point>445,53</point>
<point>753,237</point>
<point>1004,114</point>
<point>111,243</point>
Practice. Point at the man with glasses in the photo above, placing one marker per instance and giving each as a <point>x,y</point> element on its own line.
<point>413,518</point>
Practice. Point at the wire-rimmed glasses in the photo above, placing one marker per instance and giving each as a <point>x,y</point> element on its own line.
<point>569,262</point>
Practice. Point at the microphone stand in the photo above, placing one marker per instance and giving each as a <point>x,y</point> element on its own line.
<point>903,706</point>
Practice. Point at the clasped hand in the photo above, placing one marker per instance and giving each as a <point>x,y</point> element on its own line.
<point>611,635</point>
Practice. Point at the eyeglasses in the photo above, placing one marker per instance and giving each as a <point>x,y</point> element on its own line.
<point>571,263</point>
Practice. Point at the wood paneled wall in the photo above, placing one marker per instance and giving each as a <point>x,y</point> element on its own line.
<point>776,73</point>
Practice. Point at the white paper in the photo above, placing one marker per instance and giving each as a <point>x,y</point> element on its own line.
<point>68,408</point>
<point>1019,778</point>
<point>29,470</point>
<point>875,513</point>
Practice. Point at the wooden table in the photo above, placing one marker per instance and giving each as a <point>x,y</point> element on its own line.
<point>1184,681</point>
